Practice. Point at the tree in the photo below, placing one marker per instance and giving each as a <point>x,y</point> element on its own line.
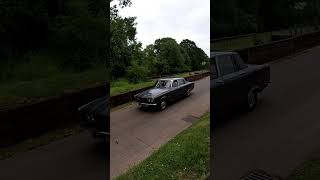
<point>169,55</point>
<point>114,9</point>
<point>195,54</point>
<point>234,17</point>
<point>23,26</point>
<point>123,34</point>
<point>82,41</point>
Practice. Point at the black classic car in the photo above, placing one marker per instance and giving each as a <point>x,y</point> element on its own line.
<point>165,91</point>
<point>234,84</point>
<point>95,118</point>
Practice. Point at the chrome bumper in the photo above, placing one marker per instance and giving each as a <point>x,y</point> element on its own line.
<point>103,133</point>
<point>147,104</point>
<point>100,134</point>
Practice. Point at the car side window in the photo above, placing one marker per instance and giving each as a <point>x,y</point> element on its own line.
<point>181,82</point>
<point>226,64</point>
<point>213,69</point>
<point>239,62</point>
<point>175,83</point>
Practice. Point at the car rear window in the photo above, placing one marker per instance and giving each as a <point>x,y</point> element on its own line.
<point>181,82</point>
<point>226,65</point>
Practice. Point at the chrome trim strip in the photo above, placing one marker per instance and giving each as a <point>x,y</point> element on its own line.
<point>147,104</point>
<point>104,133</point>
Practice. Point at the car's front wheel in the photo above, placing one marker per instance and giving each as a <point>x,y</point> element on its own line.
<point>162,104</point>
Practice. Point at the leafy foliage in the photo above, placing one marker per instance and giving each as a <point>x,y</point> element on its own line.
<point>129,59</point>
<point>170,55</point>
<point>23,26</point>
<point>72,32</point>
<point>137,73</point>
<point>233,17</point>
<point>114,9</point>
<point>195,55</point>
<point>123,34</point>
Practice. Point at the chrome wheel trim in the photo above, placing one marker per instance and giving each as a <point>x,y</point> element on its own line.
<point>163,105</point>
<point>251,99</point>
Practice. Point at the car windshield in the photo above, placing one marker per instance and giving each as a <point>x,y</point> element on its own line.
<point>163,84</point>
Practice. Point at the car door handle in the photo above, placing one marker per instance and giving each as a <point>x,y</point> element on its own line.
<point>220,83</point>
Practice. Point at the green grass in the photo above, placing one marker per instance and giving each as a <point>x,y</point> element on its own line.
<point>184,157</point>
<point>249,41</point>
<point>34,90</point>
<point>242,42</point>
<point>123,86</point>
<point>310,170</point>
<point>40,79</point>
<point>39,141</point>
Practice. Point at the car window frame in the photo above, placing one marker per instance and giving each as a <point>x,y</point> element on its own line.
<point>168,81</point>
<point>173,83</point>
<point>214,64</point>
<point>181,80</point>
<point>235,61</point>
<point>219,58</point>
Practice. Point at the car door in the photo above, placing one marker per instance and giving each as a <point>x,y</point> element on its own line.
<point>242,78</point>
<point>217,103</point>
<point>230,80</point>
<point>175,90</point>
<point>182,87</point>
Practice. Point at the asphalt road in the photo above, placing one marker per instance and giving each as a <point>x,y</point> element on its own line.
<point>284,129</point>
<point>136,133</point>
<point>77,157</point>
<point>276,137</point>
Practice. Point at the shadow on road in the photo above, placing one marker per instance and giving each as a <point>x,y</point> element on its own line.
<point>169,104</point>
<point>236,115</point>
<point>99,152</point>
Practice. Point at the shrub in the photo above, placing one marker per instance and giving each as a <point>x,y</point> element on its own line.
<point>136,73</point>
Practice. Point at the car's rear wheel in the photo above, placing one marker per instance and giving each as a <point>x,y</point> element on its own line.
<point>252,99</point>
<point>162,105</point>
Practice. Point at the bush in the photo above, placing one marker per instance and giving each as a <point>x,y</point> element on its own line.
<point>136,73</point>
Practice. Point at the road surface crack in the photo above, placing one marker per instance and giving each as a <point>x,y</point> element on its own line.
<point>144,143</point>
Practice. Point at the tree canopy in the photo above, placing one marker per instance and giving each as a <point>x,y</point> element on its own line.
<point>166,56</point>
<point>233,17</point>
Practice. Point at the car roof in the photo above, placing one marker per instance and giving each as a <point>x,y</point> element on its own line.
<point>170,79</point>
<point>219,53</point>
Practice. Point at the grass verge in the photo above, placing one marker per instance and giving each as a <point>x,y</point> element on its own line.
<point>242,42</point>
<point>123,86</point>
<point>38,141</point>
<point>28,91</point>
<point>184,157</point>
<point>310,170</point>
<point>252,40</point>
